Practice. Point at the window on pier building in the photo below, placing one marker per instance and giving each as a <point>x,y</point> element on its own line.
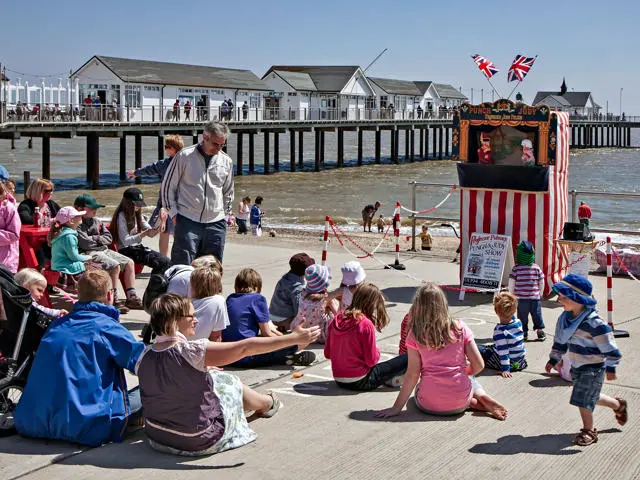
<point>383,101</point>
<point>370,103</point>
<point>254,100</point>
<point>133,95</point>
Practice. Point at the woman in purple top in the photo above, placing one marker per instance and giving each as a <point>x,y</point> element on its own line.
<point>190,407</point>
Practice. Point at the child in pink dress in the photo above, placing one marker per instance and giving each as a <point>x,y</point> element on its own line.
<point>9,229</point>
<point>315,307</point>
<point>438,348</point>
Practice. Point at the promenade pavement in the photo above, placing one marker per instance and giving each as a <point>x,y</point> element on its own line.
<point>324,432</point>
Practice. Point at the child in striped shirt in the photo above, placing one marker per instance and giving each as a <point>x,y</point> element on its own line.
<point>592,352</point>
<point>507,353</point>
<point>527,283</point>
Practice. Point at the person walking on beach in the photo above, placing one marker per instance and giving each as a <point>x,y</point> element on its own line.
<point>243,215</point>
<point>197,191</point>
<point>368,212</point>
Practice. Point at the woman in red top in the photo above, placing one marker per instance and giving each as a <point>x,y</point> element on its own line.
<point>351,343</point>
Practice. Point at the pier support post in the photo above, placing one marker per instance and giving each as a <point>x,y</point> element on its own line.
<point>322,159</point>
<point>138,155</point>
<point>340,160</point>
<point>394,145</point>
<point>194,139</point>
<point>440,143</point>
<point>426,143</point>
<point>239,154</point>
<point>123,157</point>
<point>276,152</point>
<point>446,142</point>
<point>317,152</point>
<point>359,147</point>
<point>160,147</point>
<point>608,135</point>
<point>628,136</point>
<point>580,137</point>
<point>301,149</point>
<point>377,142</point>
<point>433,143</point>
<point>573,136</point>
<point>421,154</point>
<point>252,158</point>
<point>266,152</point>
<point>412,143</point>
<point>13,144</point>
<point>407,143</point>
<point>93,160</point>
<point>292,150</point>
<point>46,157</point>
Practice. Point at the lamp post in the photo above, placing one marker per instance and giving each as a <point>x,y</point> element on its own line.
<point>620,102</point>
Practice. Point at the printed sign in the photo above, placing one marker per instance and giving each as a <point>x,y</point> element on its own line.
<point>485,261</point>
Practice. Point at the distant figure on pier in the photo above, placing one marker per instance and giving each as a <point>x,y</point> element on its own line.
<point>368,212</point>
<point>200,109</point>
<point>230,113</point>
<point>419,111</point>
<point>224,109</point>
<point>197,191</point>
<point>176,110</point>
<point>584,213</point>
<point>187,111</point>
<point>245,110</point>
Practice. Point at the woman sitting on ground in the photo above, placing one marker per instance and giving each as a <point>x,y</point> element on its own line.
<point>188,408</point>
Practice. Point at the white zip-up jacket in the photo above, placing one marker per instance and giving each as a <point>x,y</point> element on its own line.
<point>198,193</point>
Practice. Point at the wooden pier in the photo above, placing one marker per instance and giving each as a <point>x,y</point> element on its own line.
<point>584,134</point>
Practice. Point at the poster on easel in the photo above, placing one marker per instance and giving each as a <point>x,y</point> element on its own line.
<point>484,265</point>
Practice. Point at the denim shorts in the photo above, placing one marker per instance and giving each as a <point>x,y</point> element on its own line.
<point>587,385</point>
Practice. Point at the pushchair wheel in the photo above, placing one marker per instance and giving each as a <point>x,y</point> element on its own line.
<point>9,398</point>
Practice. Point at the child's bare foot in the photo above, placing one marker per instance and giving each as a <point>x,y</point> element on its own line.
<point>487,404</point>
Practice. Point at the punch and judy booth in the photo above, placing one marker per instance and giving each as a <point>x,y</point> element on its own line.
<point>513,172</point>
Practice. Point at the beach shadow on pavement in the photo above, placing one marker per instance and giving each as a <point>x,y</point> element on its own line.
<point>410,414</point>
<point>549,381</point>
<point>324,389</point>
<point>547,444</point>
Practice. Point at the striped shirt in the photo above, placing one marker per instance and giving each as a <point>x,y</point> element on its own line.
<point>508,342</point>
<point>528,279</point>
<point>591,344</point>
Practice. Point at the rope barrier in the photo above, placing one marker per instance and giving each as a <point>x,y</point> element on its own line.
<point>429,210</point>
<point>623,266</point>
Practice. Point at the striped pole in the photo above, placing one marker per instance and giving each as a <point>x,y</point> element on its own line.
<point>325,239</point>
<point>609,285</point>
<point>396,233</point>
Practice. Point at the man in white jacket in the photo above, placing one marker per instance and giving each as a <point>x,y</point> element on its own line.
<point>197,191</point>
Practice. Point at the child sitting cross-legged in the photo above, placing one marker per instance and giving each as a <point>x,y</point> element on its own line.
<point>593,353</point>
<point>351,343</point>
<point>209,304</point>
<point>65,257</point>
<point>36,283</point>
<point>438,349</point>
<point>507,354</point>
<point>249,317</point>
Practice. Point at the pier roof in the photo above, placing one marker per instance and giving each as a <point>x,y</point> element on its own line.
<point>554,101</point>
<point>299,81</point>
<point>326,78</point>
<point>396,87</point>
<point>443,90</point>
<point>165,73</point>
<point>575,99</point>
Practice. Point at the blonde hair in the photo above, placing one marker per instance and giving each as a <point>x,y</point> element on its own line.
<point>165,312</point>
<point>36,189</point>
<point>208,261</point>
<point>248,281</point>
<point>505,304</point>
<point>368,301</point>
<point>429,318</point>
<point>29,276</point>
<point>174,141</point>
<point>93,286</point>
<point>205,282</point>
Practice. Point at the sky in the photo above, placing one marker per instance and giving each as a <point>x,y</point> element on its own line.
<point>591,43</point>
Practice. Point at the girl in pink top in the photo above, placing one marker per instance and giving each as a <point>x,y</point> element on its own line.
<point>9,229</point>
<point>438,349</point>
<point>351,343</point>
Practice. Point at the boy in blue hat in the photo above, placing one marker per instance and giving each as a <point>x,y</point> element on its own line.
<point>592,352</point>
<point>527,283</point>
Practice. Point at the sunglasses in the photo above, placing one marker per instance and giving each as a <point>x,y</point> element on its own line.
<point>48,191</point>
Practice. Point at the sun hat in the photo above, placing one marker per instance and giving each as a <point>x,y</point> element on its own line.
<point>135,195</point>
<point>525,253</point>
<point>299,263</point>
<point>317,277</point>
<point>67,213</point>
<point>576,288</point>
<point>86,201</point>
<point>527,143</point>
<point>352,273</point>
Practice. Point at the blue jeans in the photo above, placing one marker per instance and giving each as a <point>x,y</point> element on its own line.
<point>193,239</point>
<point>533,307</point>
<point>135,404</point>
<point>380,373</point>
<point>242,225</point>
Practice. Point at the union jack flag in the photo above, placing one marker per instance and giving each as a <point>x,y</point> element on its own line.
<point>520,67</point>
<point>485,66</point>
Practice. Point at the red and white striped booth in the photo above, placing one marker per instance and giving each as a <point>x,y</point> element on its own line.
<point>525,203</point>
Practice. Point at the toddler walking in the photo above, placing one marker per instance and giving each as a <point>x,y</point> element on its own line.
<point>592,353</point>
<point>527,283</point>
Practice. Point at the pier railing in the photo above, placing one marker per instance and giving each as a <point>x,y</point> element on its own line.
<point>194,113</point>
<point>446,221</point>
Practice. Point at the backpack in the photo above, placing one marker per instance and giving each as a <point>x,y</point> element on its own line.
<point>158,284</point>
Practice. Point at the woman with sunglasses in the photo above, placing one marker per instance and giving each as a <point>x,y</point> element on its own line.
<point>173,144</point>
<point>39,196</point>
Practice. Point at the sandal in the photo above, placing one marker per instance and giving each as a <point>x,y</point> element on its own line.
<point>274,407</point>
<point>586,437</point>
<point>621,412</point>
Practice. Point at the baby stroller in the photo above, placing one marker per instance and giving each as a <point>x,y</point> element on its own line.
<point>21,329</point>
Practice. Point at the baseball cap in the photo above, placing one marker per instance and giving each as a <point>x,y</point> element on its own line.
<point>67,213</point>
<point>86,201</point>
<point>135,195</point>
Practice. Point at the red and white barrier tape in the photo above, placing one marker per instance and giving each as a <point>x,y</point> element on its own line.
<point>429,210</point>
<point>623,266</point>
<point>609,284</point>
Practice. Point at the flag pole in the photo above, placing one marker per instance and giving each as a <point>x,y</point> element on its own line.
<point>514,89</point>
<point>494,88</point>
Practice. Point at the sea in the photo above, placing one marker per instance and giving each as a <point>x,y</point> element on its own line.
<point>301,200</point>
